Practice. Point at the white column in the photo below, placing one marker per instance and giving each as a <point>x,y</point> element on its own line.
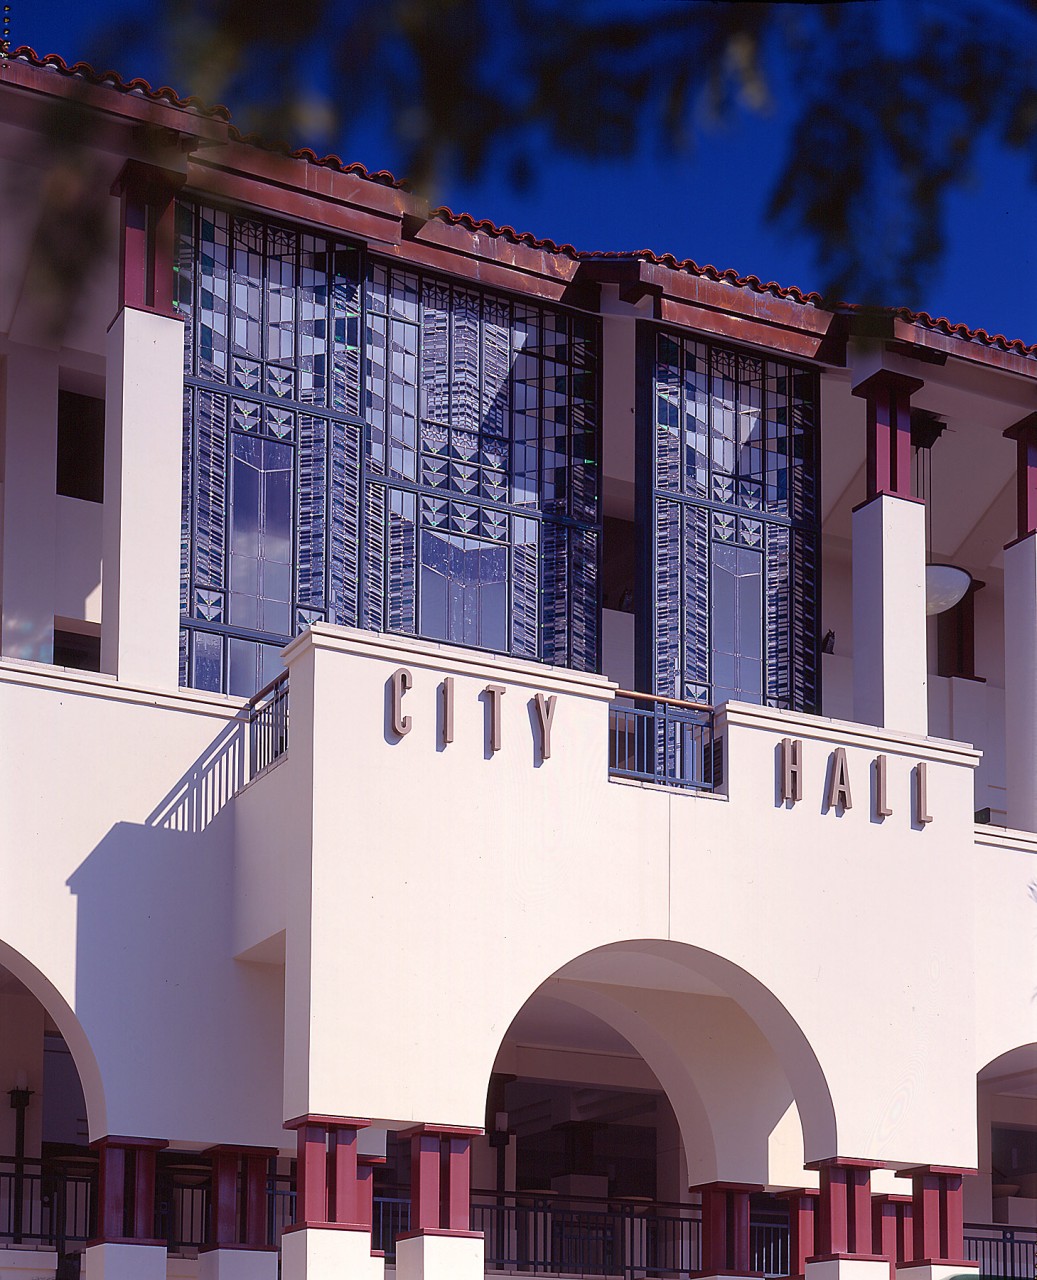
<point>140,615</point>
<point>889,625</point>
<point>29,476</point>
<point>329,1253</point>
<point>440,1257</point>
<point>124,1262</point>
<point>238,1264</point>
<point>1021,682</point>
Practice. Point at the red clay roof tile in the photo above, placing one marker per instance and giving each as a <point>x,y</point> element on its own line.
<point>112,79</point>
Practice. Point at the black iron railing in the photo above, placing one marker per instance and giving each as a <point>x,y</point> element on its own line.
<point>43,1203</point>
<point>1002,1251</point>
<point>538,1233</point>
<point>267,714</point>
<point>663,740</point>
<point>570,1236</point>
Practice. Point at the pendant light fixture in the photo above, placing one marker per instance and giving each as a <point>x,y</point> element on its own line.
<point>945,584</point>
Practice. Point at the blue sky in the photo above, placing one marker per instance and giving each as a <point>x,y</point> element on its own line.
<point>710,205</point>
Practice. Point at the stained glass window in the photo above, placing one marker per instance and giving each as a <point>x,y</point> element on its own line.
<point>734,526</point>
<point>482,470</point>
<point>368,446</point>
<point>272,441</point>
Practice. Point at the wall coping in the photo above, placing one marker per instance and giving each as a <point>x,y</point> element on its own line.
<point>96,684</point>
<point>449,659</point>
<point>747,715</point>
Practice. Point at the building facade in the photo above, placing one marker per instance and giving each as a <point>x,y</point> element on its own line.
<point>490,782</point>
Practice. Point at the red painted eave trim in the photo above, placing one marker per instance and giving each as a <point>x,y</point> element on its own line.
<point>964,349</point>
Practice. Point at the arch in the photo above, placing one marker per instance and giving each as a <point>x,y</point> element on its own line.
<point>729,1056</point>
<point>71,1030</point>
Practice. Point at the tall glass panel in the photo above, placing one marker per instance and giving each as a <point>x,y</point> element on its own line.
<point>370,446</point>
<point>272,436</point>
<point>483,422</point>
<point>733,440</point>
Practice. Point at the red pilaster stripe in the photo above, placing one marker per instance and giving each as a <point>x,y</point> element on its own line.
<point>255,1200</point>
<point>342,1150</point>
<point>311,1175</point>
<point>802,1221</point>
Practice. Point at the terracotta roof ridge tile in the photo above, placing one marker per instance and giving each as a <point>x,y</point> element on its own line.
<point>85,71</point>
<point>443,213</point>
<point>726,276</point>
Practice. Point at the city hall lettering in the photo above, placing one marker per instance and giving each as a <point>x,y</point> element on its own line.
<point>401,681</point>
<point>838,791</point>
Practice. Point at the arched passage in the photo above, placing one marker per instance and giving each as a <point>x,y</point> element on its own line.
<point>730,1058</point>
<point>66,1022</point>
<point>1003,1197</point>
<point>47,1173</point>
<point>650,1050</point>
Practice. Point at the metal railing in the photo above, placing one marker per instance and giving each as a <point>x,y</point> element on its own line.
<point>391,1219</point>
<point>267,715</point>
<point>537,1233</point>
<point>769,1247</point>
<point>663,740</point>
<point>1002,1251</point>
<point>569,1236</point>
<point>44,1204</point>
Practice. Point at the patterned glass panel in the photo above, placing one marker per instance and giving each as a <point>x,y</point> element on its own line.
<point>735,477</point>
<point>508,422</point>
<point>272,463</point>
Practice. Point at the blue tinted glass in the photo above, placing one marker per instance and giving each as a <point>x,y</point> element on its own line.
<point>207,662</point>
<point>737,618</point>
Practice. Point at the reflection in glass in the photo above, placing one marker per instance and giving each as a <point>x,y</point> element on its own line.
<point>464,591</point>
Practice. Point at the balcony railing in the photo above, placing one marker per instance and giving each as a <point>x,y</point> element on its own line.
<point>1002,1251</point>
<point>531,1232</point>
<point>267,715</point>
<point>664,740</point>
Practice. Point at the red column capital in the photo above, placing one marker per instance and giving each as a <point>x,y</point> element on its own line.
<point>725,1227</point>
<point>119,1221</point>
<point>147,193</point>
<point>937,1221</point>
<point>888,398</point>
<point>1024,433</point>
<point>844,1225</point>
<point>440,1179</point>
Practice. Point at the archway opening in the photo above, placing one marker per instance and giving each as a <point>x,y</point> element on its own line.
<point>47,1171</point>
<point>1001,1203</point>
<point>638,1084</point>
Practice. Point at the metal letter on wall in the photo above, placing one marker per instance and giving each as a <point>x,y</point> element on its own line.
<point>448,709</point>
<point>400,682</point>
<point>882,807</point>
<point>494,693</point>
<point>922,814</point>
<point>791,769</point>
<point>545,708</point>
<point>839,781</point>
